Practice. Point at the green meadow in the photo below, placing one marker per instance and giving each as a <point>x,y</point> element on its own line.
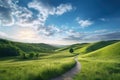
<point>43,68</point>
<point>99,60</point>
<point>101,64</point>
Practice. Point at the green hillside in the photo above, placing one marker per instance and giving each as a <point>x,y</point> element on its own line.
<point>101,64</point>
<point>74,46</point>
<point>42,68</point>
<point>111,52</point>
<point>94,46</point>
<point>9,48</point>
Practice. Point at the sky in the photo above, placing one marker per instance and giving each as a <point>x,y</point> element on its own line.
<point>60,21</point>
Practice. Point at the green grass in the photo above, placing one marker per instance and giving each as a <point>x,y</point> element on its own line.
<point>100,61</point>
<point>98,70</point>
<point>10,48</point>
<point>74,46</point>
<point>44,68</point>
<point>94,46</point>
<point>111,52</point>
<point>102,64</point>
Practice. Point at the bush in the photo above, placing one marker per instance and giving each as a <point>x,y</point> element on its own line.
<point>37,55</point>
<point>23,55</point>
<point>71,50</point>
<point>31,55</point>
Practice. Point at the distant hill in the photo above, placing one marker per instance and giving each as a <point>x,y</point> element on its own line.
<point>83,48</point>
<point>111,52</point>
<point>10,48</point>
<point>95,46</point>
<point>74,46</point>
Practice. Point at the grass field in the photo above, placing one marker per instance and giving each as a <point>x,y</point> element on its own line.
<point>86,48</point>
<point>44,68</point>
<point>98,70</point>
<point>102,64</point>
<point>99,61</point>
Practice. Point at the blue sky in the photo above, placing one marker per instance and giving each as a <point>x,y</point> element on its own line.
<point>60,21</point>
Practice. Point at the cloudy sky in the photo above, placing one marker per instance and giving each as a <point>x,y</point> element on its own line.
<point>60,21</point>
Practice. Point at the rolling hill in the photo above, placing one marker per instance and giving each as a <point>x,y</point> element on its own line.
<point>111,52</point>
<point>102,63</point>
<point>74,46</point>
<point>95,46</point>
<point>9,48</point>
<point>83,48</point>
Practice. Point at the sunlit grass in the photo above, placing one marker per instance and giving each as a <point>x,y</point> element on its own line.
<point>44,68</point>
<point>102,64</point>
<point>98,70</point>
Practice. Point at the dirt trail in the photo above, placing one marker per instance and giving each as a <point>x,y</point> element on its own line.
<point>71,73</point>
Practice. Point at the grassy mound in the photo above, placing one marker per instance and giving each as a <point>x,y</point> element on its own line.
<point>95,46</point>
<point>111,52</point>
<point>74,46</point>
<point>102,64</point>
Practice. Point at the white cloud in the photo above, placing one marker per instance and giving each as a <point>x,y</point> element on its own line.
<point>73,33</point>
<point>14,14</point>
<point>63,8</point>
<point>8,22</point>
<point>49,30</point>
<point>46,10</point>
<point>100,31</point>
<point>104,19</point>
<point>30,26</point>
<point>84,23</point>
<point>43,10</point>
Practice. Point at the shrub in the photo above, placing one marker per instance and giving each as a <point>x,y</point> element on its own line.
<point>31,55</point>
<point>24,56</point>
<point>71,50</point>
<point>37,55</point>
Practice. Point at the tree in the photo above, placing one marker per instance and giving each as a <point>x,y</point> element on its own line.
<point>31,55</point>
<point>37,55</point>
<point>71,50</point>
<point>8,50</point>
<point>23,55</point>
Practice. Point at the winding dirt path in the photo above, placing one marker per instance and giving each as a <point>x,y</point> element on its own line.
<point>71,73</point>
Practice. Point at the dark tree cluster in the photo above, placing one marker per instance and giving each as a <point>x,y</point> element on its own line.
<point>8,50</point>
<point>29,56</point>
<point>71,50</point>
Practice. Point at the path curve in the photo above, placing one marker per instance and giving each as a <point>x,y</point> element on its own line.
<point>71,73</point>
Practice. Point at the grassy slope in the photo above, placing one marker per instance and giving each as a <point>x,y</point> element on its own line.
<point>74,46</point>
<point>94,46</point>
<point>43,68</point>
<point>58,63</point>
<point>94,70</point>
<point>102,64</point>
<point>111,52</point>
<point>9,46</point>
